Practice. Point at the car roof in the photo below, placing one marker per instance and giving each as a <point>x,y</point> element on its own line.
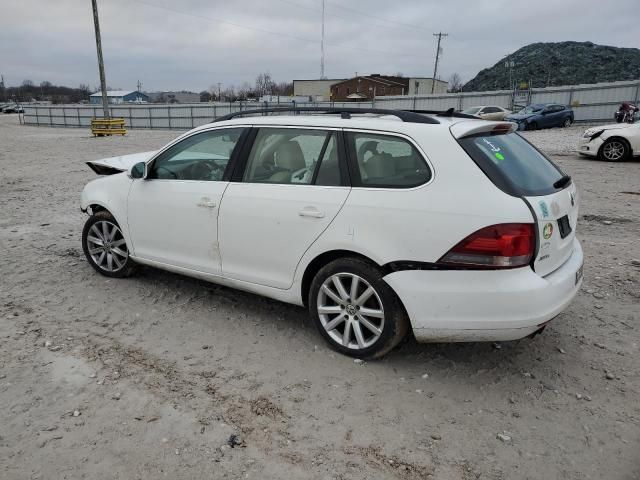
<point>366,122</point>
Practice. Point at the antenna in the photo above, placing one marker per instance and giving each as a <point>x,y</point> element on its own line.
<point>322,46</point>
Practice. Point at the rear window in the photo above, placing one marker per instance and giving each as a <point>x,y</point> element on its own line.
<point>513,164</point>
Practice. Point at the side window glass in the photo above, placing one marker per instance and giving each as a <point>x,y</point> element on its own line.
<point>388,162</point>
<point>329,170</point>
<point>288,155</point>
<point>203,157</point>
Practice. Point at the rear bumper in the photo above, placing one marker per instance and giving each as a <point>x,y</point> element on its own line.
<point>472,305</point>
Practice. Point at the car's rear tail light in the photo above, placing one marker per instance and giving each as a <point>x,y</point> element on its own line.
<point>502,129</point>
<point>506,245</point>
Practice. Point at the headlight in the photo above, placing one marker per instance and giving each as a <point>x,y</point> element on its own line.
<point>593,134</point>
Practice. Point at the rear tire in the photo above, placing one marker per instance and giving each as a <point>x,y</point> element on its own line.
<point>567,123</point>
<point>614,150</point>
<point>355,310</point>
<point>105,247</point>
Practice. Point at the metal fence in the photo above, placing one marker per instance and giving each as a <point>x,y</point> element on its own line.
<point>590,103</point>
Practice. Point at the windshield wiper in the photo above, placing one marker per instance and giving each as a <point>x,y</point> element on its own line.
<point>563,182</point>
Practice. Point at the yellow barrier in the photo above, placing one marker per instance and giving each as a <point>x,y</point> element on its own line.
<point>112,126</point>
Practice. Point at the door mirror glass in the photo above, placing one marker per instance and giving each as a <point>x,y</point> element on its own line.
<point>139,170</point>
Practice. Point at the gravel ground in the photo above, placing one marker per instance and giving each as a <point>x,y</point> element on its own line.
<point>164,376</point>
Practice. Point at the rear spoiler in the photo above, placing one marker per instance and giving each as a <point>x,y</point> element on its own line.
<point>473,129</point>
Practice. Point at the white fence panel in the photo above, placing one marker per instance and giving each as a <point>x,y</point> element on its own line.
<point>590,102</point>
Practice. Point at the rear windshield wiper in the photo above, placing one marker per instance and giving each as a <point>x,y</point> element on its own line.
<point>563,182</point>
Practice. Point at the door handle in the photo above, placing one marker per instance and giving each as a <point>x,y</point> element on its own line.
<point>311,212</point>
<point>206,203</point>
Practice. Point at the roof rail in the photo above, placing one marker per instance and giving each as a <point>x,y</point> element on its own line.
<point>446,113</point>
<point>404,115</point>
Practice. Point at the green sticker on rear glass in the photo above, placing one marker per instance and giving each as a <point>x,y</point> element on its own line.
<point>499,156</point>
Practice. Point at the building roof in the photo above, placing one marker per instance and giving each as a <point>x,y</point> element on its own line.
<point>319,80</point>
<point>114,93</point>
<point>375,78</point>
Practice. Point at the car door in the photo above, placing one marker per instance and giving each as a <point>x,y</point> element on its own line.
<point>492,113</point>
<point>173,211</point>
<point>544,117</point>
<point>556,117</point>
<point>285,193</point>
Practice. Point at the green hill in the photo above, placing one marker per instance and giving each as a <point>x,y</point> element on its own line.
<point>562,63</point>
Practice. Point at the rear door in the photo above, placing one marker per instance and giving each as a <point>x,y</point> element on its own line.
<point>290,188</point>
<point>519,169</point>
<point>556,118</point>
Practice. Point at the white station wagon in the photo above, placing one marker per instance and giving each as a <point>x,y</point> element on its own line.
<point>378,221</point>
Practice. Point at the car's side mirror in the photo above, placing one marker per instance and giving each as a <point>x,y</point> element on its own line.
<point>139,170</point>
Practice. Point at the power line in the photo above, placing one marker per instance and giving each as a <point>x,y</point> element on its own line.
<point>270,32</point>
<point>343,17</point>
<point>366,14</point>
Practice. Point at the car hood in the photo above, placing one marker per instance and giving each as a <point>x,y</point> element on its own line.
<point>612,126</point>
<point>519,116</point>
<point>111,165</point>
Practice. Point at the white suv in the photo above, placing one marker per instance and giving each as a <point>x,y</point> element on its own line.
<point>376,221</point>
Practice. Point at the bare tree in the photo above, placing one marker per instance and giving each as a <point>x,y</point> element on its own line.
<point>283,88</point>
<point>228,94</point>
<point>264,84</point>
<point>245,91</point>
<point>455,83</point>
<point>27,83</point>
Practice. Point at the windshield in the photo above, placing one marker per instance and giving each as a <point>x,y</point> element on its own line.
<point>472,111</point>
<point>531,109</point>
<point>513,164</point>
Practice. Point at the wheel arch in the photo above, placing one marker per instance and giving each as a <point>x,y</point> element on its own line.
<point>314,266</point>
<point>617,137</point>
<point>95,207</point>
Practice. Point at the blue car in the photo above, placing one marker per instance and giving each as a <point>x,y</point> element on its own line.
<point>542,115</point>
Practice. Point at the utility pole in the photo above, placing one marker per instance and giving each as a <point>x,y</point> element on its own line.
<point>219,83</point>
<point>435,68</point>
<point>103,81</point>
<point>138,97</point>
<point>322,46</point>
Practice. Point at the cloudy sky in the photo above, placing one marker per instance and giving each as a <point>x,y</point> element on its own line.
<point>193,44</point>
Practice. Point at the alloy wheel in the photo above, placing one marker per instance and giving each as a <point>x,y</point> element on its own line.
<point>613,150</point>
<point>107,247</point>
<point>350,311</point>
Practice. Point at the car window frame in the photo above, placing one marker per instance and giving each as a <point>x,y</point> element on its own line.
<point>240,167</point>
<point>230,164</point>
<point>354,168</point>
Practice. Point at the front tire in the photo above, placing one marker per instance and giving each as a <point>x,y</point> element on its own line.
<point>105,247</point>
<point>567,123</point>
<point>532,126</point>
<point>355,310</point>
<point>614,150</point>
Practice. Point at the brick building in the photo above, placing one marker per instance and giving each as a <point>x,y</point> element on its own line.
<point>367,87</point>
